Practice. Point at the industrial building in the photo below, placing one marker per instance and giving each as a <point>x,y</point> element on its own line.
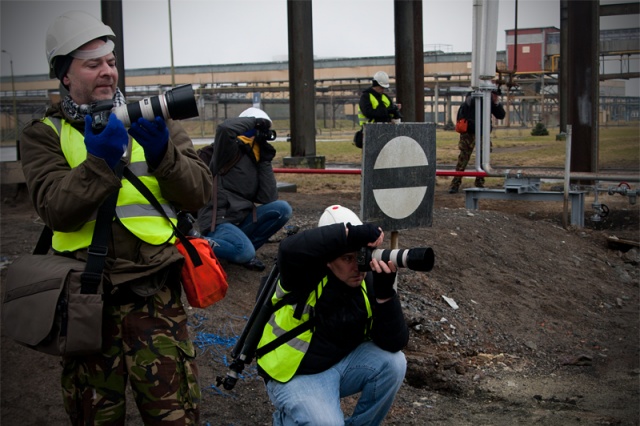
<point>527,73</point>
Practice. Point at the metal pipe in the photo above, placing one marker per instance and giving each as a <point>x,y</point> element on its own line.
<point>15,108</point>
<point>502,173</point>
<point>359,172</point>
<point>173,71</point>
<point>545,173</point>
<point>567,172</point>
<point>559,175</point>
<point>319,171</point>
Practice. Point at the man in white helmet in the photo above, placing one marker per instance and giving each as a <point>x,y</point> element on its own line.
<point>245,211</point>
<point>70,171</point>
<point>346,327</point>
<point>375,106</point>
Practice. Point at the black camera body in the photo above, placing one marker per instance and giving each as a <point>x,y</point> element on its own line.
<point>395,111</point>
<point>100,112</point>
<point>266,134</point>
<point>177,104</point>
<point>416,259</point>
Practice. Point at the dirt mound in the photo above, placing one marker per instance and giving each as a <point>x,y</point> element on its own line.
<point>520,322</point>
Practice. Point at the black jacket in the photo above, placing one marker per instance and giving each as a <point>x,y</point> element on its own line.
<point>468,111</point>
<point>242,179</point>
<point>381,113</point>
<point>341,310</point>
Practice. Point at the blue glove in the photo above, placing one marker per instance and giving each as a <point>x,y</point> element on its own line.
<point>109,144</point>
<point>153,136</point>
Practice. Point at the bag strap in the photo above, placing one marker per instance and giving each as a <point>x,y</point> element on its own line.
<point>98,249</point>
<point>214,210</point>
<point>294,332</point>
<point>44,241</point>
<point>137,183</point>
<point>283,338</point>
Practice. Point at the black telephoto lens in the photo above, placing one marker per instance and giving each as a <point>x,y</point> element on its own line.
<point>181,102</point>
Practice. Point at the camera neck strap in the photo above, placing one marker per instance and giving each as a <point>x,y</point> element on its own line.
<point>137,183</point>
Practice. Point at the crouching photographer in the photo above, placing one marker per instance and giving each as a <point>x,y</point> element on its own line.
<point>344,327</point>
<point>245,210</point>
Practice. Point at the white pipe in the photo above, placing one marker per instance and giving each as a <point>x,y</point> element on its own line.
<point>476,43</point>
<point>477,99</point>
<point>489,40</point>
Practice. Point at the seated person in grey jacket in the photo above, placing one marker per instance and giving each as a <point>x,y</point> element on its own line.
<point>245,211</point>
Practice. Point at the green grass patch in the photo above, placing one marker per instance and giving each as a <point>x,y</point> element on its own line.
<point>619,148</point>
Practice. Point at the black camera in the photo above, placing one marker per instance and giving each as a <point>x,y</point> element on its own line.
<point>266,134</point>
<point>416,259</point>
<point>177,104</point>
<point>394,111</point>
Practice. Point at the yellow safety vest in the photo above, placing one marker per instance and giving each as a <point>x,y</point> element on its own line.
<point>374,104</point>
<point>283,362</point>
<point>132,208</point>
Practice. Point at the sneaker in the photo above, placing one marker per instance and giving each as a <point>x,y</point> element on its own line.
<point>479,185</point>
<point>453,190</point>
<point>254,265</point>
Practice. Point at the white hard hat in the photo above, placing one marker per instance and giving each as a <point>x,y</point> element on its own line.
<point>255,112</point>
<point>382,78</point>
<point>338,214</point>
<point>70,31</point>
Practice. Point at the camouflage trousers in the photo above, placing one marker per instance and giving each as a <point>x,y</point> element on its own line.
<point>466,145</point>
<point>147,344</point>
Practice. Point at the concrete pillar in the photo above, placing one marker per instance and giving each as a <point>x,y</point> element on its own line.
<point>301,80</point>
<point>582,90</point>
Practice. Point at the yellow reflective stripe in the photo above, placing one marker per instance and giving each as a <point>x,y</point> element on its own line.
<point>54,123</point>
<point>139,168</point>
<point>297,342</point>
<point>280,293</point>
<point>130,195</point>
<point>143,210</point>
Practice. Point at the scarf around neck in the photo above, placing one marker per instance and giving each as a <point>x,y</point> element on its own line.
<point>78,112</point>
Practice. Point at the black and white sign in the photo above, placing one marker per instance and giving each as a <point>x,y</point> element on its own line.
<point>398,175</point>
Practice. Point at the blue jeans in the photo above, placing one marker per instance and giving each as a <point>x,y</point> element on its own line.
<point>314,399</point>
<point>238,244</point>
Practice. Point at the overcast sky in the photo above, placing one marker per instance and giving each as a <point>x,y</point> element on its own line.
<point>241,31</point>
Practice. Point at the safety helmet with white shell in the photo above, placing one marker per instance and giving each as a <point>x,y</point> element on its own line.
<point>70,31</point>
<point>338,214</point>
<point>382,78</point>
<point>256,113</point>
